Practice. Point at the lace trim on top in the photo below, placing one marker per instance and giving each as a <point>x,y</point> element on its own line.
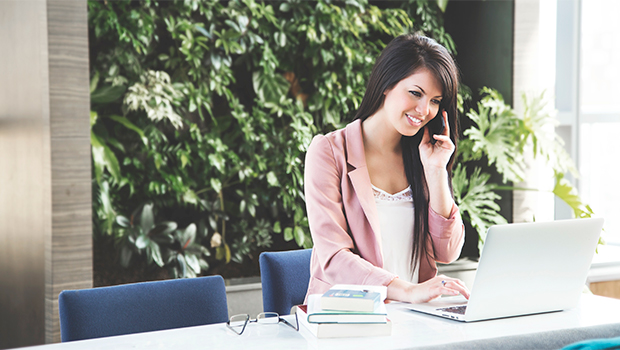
<point>403,196</point>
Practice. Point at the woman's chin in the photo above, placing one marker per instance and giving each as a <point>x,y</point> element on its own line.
<point>409,131</point>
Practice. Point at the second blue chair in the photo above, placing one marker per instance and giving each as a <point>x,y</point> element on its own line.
<point>141,307</point>
<point>284,278</point>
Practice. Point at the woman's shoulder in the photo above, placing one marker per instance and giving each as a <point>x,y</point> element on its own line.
<point>333,145</point>
<point>339,136</point>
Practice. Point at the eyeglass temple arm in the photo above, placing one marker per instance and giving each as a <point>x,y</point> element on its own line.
<point>288,323</point>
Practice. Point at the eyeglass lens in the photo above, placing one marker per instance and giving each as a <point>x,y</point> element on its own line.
<point>268,318</point>
<point>237,323</point>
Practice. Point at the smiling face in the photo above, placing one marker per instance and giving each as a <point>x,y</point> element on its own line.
<point>412,102</point>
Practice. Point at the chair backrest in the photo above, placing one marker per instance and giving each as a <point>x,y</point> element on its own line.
<point>284,278</point>
<point>141,307</point>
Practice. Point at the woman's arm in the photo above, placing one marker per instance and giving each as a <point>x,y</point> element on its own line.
<point>447,235</point>
<point>444,219</point>
<point>434,159</point>
<point>333,243</point>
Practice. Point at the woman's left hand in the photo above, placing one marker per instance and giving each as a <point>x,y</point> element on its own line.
<point>438,155</point>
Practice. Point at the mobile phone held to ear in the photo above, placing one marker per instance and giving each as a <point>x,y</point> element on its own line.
<point>437,125</point>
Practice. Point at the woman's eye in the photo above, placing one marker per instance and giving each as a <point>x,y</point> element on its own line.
<point>436,102</point>
<point>415,93</point>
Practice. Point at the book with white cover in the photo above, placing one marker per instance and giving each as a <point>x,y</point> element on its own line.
<point>379,289</point>
<point>350,300</point>
<point>317,315</point>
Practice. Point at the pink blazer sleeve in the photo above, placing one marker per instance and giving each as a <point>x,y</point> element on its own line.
<point>333,260</point>
<point>448,235</point>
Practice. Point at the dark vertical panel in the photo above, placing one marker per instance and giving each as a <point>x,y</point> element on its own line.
<point>483,34</point>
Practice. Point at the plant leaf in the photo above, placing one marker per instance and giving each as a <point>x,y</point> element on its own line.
<point>156,253</point>
<point>182,264</point>
<point>163,239</point>
<point>497,134</point>
<point>123,221</point>
<point>189,235</point>
<point>476,199</point>
<point>277,228</point>
<point>220,253</point>
<point>107,94</point>
<point>272,179</point>
<point>270,88</point>
<point>216,184</point>
<point>288,234</point>
<point>147,219</point>
<point>164,228</point>
<point>192,262</point>
<point>443,4</point>
<point>299,236</point>
<point>142,241</point>
<point>566,192</point>
<point>131,126</point>
<point>223,253</point>
<point>93,118</point>
<point>103,157</point>
<point>125,258</point>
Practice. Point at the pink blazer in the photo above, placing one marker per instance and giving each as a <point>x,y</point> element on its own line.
<point>344,222</point>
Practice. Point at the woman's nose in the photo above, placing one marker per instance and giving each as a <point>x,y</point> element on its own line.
<point>423,107</point>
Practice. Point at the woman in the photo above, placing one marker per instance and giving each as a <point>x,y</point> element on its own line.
<point>378,192</point>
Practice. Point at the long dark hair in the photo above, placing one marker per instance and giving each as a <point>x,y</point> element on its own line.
<point>403,56</point>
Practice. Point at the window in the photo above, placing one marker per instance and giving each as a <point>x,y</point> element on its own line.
<point>588,100</point>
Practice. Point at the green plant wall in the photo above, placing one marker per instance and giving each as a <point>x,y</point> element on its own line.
<point>202,112</point>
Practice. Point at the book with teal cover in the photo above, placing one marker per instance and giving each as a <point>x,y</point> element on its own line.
<point>351,300</point>
<point>341,330</point>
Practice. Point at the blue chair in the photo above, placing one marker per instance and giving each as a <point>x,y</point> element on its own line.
<point>141,307</point>
<point>284,278</point>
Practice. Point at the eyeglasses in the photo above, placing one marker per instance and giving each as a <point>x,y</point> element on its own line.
<point>237,323</point>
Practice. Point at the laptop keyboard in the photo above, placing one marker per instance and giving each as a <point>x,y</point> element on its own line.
<point>455,309</point>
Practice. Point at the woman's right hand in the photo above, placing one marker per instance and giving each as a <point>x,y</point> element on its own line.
<point>438,286</point>
<point>424,292</point>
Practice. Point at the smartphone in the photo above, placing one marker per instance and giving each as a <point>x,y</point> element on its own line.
<point>437,125</point>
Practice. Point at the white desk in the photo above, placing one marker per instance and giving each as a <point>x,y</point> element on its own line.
<point>595,317</point>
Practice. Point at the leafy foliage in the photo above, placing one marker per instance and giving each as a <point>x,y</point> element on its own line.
<point>497,136</point>
<point>503,138</point>
<point>146,237</point>
<point>203,111</point>
<point>477,199</point>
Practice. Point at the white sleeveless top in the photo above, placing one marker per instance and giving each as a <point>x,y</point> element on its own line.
<point>396,219</point>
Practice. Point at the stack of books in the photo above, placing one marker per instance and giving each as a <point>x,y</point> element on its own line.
<point>346,311</point>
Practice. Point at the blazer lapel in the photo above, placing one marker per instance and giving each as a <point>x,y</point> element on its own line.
<point>361,180</point>
<point>363,191</point>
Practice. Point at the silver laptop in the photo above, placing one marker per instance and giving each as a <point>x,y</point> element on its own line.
<point>524,269</point>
